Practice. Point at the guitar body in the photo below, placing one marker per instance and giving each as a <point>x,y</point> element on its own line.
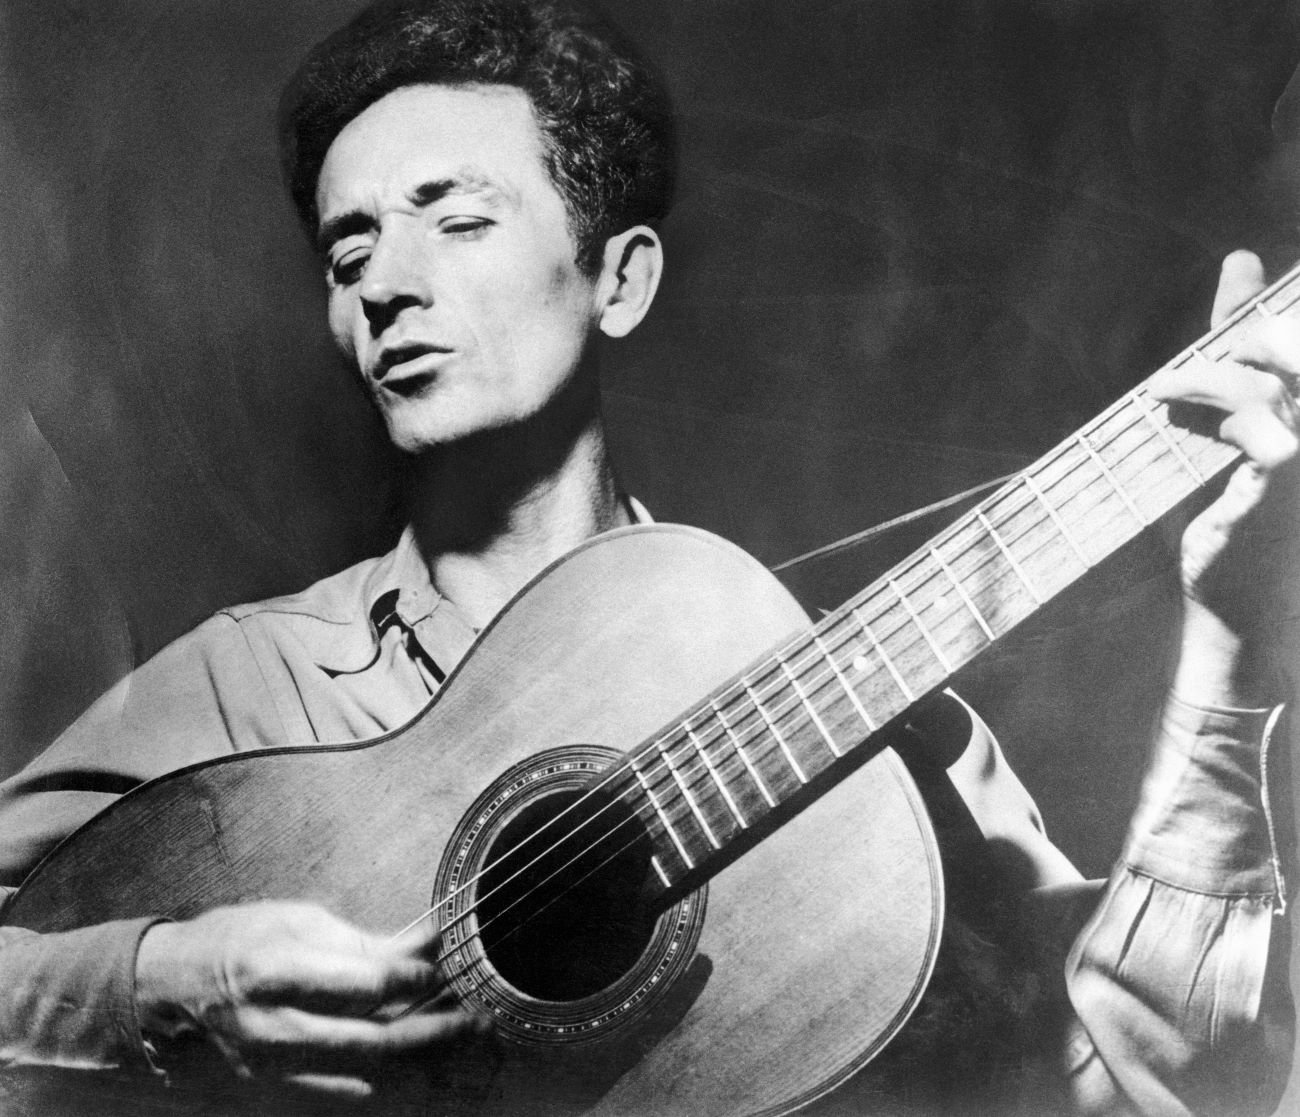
<point>754,994</point>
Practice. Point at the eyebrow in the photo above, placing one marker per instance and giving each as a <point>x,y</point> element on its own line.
<point>358,221</point>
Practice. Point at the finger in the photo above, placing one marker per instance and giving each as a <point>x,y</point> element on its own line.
<point>1225,385</point>
<point>1240,279</point>
<point>1243,493</point>
<point>1272,344</point>
<point>310,1041</point>
<point>421,940</point>
<point>1265,439</point>
<point>341,1087</point>
<point>339,983</point>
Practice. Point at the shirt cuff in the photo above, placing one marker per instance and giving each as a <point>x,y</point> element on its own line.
<point>1205,822</point>
<point>71,998</point>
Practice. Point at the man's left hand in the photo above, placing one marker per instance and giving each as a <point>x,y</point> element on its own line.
<point>1241,556</point>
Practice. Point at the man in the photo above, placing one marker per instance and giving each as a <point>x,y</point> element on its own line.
<point>485,182</point>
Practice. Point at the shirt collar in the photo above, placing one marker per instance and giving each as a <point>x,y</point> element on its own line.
<point>399,585</point>
<point>398,588</point>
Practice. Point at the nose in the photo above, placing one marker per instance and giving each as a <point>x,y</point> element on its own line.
<point>397,276</point>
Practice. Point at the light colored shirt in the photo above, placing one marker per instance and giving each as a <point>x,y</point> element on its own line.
<point>1172,1005</point>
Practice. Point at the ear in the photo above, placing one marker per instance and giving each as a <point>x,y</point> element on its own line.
<point>629,278</point>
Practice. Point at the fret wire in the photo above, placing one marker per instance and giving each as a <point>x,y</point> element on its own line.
<point>717,779</point>
<point>1105,475</point>
<point>1009,493</point>
<point>740,752</point>
<point>760,742</point>
<point>769,718</point>
<point>690,799</point>
<point>658,868</point>
<point>707,770</point>
<point>1070,468</point>
<point>1115,410</point>
<point>880,651</point>
<point>981,560</point>
<point>1058,456</point>
<point>1087,446</point>
<point>1105,479</point>
<point>1148,412</point>
<point>958,527</point>
<point>1032,485</point>
<point>1153,446</point>
<point>675,772</point>
<point>668,826</point>
<point>983,557</point>
<point>812,710</point>
<point>907,631</point>
<point>756,741</point>
<point>867,719</point>
<point>823,680</point>
<point>1199,443</point>
<point>776,734</point>
<point>961,590</point>
<point>814,680</point>
<point>1091,453</point>
<point>1041,499</point>
<point>1011,559</point>
<point>934,647</point>
<point>806,670</point>
<point>677,814</point>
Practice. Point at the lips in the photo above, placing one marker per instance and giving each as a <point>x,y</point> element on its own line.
<point>407,360</point>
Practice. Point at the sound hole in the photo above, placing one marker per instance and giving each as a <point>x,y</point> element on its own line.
<point>563,909</point>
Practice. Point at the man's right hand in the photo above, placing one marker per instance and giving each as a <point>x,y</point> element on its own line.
<point>290,994</point>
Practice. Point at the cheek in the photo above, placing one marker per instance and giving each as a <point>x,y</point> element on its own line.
<point>340,323</point>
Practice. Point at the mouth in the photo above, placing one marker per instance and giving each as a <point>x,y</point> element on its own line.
<point>405,368</point>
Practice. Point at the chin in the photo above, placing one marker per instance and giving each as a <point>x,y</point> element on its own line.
<point>415,436</point>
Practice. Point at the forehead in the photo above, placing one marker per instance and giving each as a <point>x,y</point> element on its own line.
<point>484,138</point>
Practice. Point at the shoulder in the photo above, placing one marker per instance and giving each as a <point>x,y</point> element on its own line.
<point>328,624</point>
<point>335,599</point>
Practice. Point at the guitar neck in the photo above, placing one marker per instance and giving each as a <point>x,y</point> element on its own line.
<point>709,780</point>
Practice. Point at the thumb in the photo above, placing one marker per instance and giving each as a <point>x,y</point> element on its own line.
<point>1241,279</point>
<point>421,940</point>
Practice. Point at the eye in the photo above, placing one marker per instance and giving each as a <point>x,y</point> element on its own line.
<point>465,226</point>
<point>349,266</point>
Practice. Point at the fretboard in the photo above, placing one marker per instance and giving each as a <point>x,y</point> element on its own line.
<point>756,742</point>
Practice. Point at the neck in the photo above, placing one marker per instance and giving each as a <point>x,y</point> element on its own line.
<point>491,511</point>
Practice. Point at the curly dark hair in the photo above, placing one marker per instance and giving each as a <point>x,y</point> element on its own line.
<point>603,112</point>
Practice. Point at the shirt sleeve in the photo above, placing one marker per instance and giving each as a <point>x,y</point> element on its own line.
<point>67,999</point>
<point>1177,982</point>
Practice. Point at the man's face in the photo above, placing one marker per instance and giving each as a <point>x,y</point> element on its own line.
<point>451,270</point>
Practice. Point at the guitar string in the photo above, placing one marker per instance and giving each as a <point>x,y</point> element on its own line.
<point>695,749</point>
<point>663,770</point>
<point>701,769</point>
<point>670,749</point>
<point>474,960</point>
<point>659,745</point>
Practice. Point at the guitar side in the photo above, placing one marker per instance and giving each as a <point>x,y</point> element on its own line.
<point>816,943</point>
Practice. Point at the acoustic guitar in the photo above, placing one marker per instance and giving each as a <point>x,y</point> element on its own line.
<point>651,811</point>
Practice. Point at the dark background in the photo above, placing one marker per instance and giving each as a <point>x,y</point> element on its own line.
<point>916,244</point>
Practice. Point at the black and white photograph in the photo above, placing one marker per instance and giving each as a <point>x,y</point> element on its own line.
<point>649,558</point>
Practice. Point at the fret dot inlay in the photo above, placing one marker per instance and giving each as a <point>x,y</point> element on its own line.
<point>860,663</point>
